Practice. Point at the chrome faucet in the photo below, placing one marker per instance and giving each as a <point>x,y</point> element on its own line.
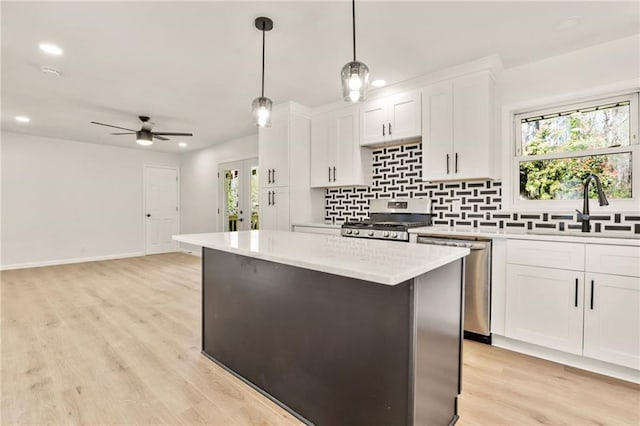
<point>602,199</point>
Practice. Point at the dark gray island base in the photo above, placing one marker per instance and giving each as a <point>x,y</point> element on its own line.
<point>335,350</point>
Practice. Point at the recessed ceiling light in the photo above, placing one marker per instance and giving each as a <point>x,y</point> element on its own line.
<point>567,24</point>
<point>51,49</point>
<point>378,83</point>
<point>51,71</point>
<point>22,119</point>
<point>182,144</point>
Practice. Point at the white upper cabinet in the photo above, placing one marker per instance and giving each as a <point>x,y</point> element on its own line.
<point>437,131</point>
<point>336,156</point>
<point>458,124</point>
<point>273,151</point>
<point>405,116</point>
<point>391,119</point>
<point>373,122</point>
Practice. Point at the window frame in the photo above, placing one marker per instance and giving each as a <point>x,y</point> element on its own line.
<point>632,204</point>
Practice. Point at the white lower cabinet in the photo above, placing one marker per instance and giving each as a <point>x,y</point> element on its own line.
<point>612,319</point>
<point>591,308</point>
<point>544,307</point>
<point>274,203</point>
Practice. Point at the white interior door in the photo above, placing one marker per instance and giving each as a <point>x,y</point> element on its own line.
<point>239,189</point>
<point>161,208</point>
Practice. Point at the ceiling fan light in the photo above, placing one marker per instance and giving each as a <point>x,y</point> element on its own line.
<point>261,107</point>
<point>144,138</point>
<point>355,81</point>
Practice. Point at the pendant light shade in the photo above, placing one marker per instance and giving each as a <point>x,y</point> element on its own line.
<point>355,81</point>
<point>355,75</point>
<point>261,105</point>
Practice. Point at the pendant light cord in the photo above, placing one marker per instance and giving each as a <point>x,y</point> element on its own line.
<point>353,14</point>
<point>263,32</point>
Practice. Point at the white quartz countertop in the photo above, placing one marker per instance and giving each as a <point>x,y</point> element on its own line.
<point>383,262</point>
<point>607,238</point>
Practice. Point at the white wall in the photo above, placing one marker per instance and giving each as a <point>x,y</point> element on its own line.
<point>199,182</point>
<point>580,70</point>
<point>64,200</point>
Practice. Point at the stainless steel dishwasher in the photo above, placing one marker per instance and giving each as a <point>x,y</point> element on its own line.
<point>477,288</point>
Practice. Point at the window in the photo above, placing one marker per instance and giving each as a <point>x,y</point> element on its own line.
<point>557,148</point>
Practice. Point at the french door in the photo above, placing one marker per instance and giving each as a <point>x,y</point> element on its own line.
<point>239,190</point>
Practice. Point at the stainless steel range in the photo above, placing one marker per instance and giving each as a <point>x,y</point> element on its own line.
<point>391,219</point>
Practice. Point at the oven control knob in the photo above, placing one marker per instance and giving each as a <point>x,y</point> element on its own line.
<point>371,233</point>
<point>385,234</point>
<point>356,232</point>
<point>394,235</point>
<point>348,231</point>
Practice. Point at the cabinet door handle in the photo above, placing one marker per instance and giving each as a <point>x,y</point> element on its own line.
<point>269,178</point>
<point>268,198</point>
<point>273,175</point>
<point>591,304</point>
<point>389,129</point>
<point>383,131</point>
<point>329,173</point>
<point>575,301</point>
<point>447,163</point>
<point>456,163</point>
<point>334,174</point>
<point>273,198</point>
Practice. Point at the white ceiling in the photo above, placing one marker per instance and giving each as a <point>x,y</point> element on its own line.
<point>195,66</point>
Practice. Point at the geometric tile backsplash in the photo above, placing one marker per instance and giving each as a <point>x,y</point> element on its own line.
<point>396,174</point>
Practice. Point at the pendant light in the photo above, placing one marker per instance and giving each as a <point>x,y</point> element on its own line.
<point>261,105</point>
<point>355,75</point>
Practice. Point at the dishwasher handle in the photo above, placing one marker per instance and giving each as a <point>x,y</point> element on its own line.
<point>449,243</point>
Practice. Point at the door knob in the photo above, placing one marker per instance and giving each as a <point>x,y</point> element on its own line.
<point>148,215</point>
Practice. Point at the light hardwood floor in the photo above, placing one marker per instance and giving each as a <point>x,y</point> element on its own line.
<point>117,342</point>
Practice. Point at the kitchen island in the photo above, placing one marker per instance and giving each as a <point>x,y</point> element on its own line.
<point>336,330</point>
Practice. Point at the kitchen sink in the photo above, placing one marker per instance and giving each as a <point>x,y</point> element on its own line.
<point>583,234</point>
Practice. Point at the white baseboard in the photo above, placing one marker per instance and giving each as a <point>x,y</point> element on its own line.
<point>69,261</point>
<point>577,361</point>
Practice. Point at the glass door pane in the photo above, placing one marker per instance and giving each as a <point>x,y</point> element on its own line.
<point>239,190</point>
<point>255,198</point>
<point>231,198</point>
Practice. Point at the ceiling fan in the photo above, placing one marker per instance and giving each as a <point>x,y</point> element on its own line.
<point>145,135</point>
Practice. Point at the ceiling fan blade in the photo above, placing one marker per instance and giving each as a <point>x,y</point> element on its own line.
<point>159,137</point>
<point>171,134</point>
<point>109,125</point>
<point>128,133</point>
